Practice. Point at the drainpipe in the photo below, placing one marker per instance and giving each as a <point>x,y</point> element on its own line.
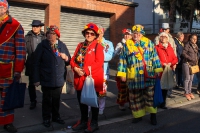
<point>153,16</point>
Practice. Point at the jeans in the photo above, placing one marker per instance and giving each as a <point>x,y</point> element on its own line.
<point>188,78</point>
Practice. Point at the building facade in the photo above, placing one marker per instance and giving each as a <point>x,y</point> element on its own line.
<point>72,15</point>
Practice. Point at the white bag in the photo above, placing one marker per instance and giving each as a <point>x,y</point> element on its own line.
<point>88,94</point>
<point>167,80</point>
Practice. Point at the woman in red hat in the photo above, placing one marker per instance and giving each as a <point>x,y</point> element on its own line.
<point>88,53</point>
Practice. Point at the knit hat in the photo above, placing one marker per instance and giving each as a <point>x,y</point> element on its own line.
<point>126,31</point>
<point>91,26</point>
<point>164,34</point>
<point>138,28</point>
<point>55,29</point>
<point>4,3</point>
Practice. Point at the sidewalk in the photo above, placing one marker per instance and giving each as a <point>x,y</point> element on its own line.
<point>30,121</point>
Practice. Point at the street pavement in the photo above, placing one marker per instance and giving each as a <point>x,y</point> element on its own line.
<point>30,121</point>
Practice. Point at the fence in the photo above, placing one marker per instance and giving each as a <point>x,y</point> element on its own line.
<point>174,27</point>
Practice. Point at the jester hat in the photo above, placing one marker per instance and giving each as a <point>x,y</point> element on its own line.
<point>138,28</point>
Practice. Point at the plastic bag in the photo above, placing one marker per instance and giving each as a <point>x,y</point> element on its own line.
<point>88,94</point>
<point>167,80</point>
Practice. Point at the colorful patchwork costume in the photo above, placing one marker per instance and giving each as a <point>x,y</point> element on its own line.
<point>139,63</point>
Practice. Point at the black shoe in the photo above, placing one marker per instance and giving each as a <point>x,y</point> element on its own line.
<point>136,120</point>
<point>153,119</point>
<point>32,105</point>
<point>59,120</point>
<point>80,126</point>
<point>164,107</point>
<point>10,128</point>
<point>47,123</point>
<point>170,96</point>
<point>92,126</point>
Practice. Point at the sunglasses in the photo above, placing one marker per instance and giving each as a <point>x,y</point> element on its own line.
<point>90,33</point>
<point>37,26</point>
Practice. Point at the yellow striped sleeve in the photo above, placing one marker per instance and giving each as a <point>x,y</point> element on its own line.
<point>121,74</point>
<point>158,70</point>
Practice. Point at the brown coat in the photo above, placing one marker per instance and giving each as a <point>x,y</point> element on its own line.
<point>190,54</point>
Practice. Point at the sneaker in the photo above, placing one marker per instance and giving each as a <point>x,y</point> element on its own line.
<point>100,112</point>
<point>122,108</point>
<point>10,128</point>
<point>92,126</point>
<point>188,97</point>
<point>191,95</point>
<point>170,96</point>
<point>79,126</point>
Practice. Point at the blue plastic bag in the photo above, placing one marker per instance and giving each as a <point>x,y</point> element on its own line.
<point>157,99</point>
<point>88,94</point>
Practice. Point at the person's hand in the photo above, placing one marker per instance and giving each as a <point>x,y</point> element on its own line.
<point>158,74</point>
<point>64,56</point>
<point>164,64</point>
<point>123,79</point>
<point>169,64</point>
<point>79,71</point>
<point>174,67</point>
<point>17,76</point>
<point>37,84</point>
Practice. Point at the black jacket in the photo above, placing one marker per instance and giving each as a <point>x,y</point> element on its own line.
<point>50,69</point>
<point>30,50</point>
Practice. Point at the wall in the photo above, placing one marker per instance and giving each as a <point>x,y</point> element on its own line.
<point>120,16</point>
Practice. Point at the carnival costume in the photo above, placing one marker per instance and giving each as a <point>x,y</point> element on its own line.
<point>12,59</point>
<point>139,63</point>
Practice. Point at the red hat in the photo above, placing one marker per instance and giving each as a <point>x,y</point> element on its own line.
<point>4,3</point>
<point>55,29</point>
<point>126,31</point>
<point>91,26</point>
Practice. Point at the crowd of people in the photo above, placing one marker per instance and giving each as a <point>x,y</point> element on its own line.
<point>141,61</point>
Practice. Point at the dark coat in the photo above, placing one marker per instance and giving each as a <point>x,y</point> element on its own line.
<point>179,50</point>
<point>30,51</point>
<point>190,54</point>
<point>50,69</point>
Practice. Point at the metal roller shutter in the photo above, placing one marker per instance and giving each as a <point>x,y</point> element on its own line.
<point>73,21</point>
<point>26,13</point>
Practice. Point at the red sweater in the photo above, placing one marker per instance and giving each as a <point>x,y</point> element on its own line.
<point>93,58</point>
<point>166,55</point>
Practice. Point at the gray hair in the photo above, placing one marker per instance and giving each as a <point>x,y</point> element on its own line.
<point>179,34</point>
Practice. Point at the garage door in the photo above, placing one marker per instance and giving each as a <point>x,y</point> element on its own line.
<point>25,13</point>
<point>73,21</point>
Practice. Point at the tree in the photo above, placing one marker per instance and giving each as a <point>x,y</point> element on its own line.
<point>185,8</point>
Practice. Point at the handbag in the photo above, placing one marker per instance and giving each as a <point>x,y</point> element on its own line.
<point>157,98</point>
<point>15,95</point>
<point>88,94</point>
<point>69,87</point>
<point>194,69</point>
